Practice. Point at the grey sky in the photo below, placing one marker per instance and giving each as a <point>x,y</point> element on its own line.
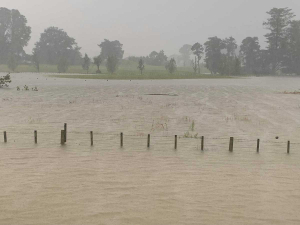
<point>144,26</point>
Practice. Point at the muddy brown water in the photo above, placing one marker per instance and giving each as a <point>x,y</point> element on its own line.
<point>105,184</point>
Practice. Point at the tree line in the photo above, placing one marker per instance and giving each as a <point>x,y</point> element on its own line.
<point>220,56</point>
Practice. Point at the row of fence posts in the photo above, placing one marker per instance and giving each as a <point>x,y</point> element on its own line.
<point>63,140</point>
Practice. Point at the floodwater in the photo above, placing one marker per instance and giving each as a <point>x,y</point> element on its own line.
<point>105,184</point>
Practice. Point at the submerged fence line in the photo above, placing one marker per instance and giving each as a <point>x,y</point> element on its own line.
<point>231,140</point>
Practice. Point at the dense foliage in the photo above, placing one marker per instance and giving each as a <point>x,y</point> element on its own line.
<point>55,47</point>
<point>14,36</point>
<point>4,81</point>
<point>55,44</point>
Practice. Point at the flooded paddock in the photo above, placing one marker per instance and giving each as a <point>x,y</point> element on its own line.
<point>47,183</point>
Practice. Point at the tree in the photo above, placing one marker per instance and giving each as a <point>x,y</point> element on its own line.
<point>86,63</point>
<point>63,64</point>
<point>14,34</point>
<point>156,58</point>
<point>291,62</point>
<point>277,24</point>
<point>141,66</point>
<point>230,46</point>
<point>5,80</point>
<point>171,66</point>
<point>195,66</point>
<point>12,62</point>
<point>112,64</point>
<point>55,44</point>
<point>186,51</point>
<point>264,62</point>
<point>111,48</point>
<point>36,60</point>
<point>198,52</point>
<point>213,55</point>
<point>237,66</point>
<point>161,58</point>
<point>249,52</point>
<point>97,62</point>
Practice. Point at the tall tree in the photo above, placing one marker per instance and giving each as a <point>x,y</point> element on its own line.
<point>249,52</point>
<point>97,62</point>
<point>198,51</point>
<point>231,46</point>
<point>186,51</point>
<point>291,61</point>
<point>55,44</point>
<point>14,34</point>
<point>86,63</point>
<point>213,54</point>
<point>277,24</point>
<point>111,48</point>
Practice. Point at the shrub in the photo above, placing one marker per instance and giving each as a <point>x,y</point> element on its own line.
<point>4,81</point>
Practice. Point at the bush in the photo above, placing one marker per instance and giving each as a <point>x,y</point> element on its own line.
<point>4,81</point>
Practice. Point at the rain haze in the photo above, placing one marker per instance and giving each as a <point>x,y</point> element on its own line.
<point>143,26</point>
<point>149,112</point>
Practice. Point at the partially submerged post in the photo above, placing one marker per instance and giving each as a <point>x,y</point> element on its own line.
<point>231,144</point>
<point>62,137</point>
<point>65,129</point>
<point>35,137</point>
<point>5,137</point>
<point>202,143</point>
<point>288,147</point>
<point>258,145</point>
<point>92,138</point>
<point>175,142</point>
<point>148,141</point>
<point>121,140</point>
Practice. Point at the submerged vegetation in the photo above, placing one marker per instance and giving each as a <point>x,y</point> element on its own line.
<point>5,80</point>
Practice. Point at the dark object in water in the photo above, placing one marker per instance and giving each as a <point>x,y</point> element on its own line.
<point>162,94</point>
<point>277,137</point>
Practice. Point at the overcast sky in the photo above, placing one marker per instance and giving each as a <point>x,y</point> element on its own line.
<point>143,26</point>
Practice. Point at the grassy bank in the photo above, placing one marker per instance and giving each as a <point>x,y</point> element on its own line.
<point>126,71</point>
<point>149,75</point>
<point>77,69</point>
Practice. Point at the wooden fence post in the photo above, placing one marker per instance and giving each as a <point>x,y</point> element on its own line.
<point>35,137</point>
<point>65,129</point>
<point>231,144</point>
<point>258,145</point>
<point>288,147</point>
<point>121,140</point>
<point>5,137</point>
<point>92,138</point>
<point>202,143</point>
<point>148,141</point>
<point>62,137</point>
<point>175,142</point>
